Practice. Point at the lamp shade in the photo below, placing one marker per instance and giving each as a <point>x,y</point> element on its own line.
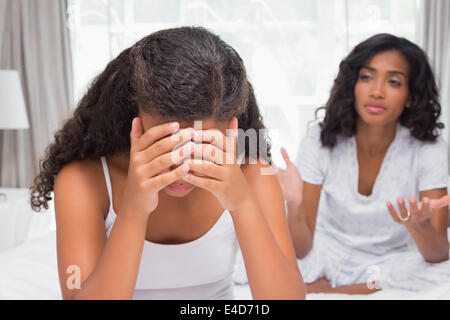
<point>13,113</point>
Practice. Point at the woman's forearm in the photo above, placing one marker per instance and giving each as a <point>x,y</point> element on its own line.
<point>300,233</point>
<point>115,274</point>
<point>431,244</point>
<point>270,274</point>
<point>350,289</point>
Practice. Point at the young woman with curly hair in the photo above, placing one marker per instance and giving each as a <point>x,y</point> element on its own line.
<point>141,210</point>
<point>378,145</point>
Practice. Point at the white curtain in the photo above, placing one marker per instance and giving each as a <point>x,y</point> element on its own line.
<point>34,40</point>
<point>434,37</point>
<point>2,18</point>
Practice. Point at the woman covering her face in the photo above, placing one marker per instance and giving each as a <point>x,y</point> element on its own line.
<point>150,206</point>
<point>372,211</point>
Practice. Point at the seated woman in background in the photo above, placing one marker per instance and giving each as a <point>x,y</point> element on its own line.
<point>136,216</point>
<point>377,146</point>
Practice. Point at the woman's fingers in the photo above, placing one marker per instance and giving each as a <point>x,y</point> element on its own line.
<point>402,210</point>
<point>167,160</point>
<point>200,154</point>
<point>217,139</point>
<point>166,145</point>
<point>285,156</point>
<point>232,138</point>
<point>207,168</point>
<point>418,211</point>
<point>152,135</point>
<point>393,212</point>
<point>156,142</point>
<point>136,131</point>
<point>428,211</point>
<point>206,183</point>
<point>437,204</point>
<point>161,181</point>
<point>225,142</point>
<point>413,206</point>
<point>398,215</point>
<point>211,136</point>
<point>211,153</point>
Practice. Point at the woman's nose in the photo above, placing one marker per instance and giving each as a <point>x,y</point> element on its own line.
<point>377,89</point>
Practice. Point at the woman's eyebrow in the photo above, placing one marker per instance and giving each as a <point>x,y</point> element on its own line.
<point>395,73</point>
<point>392,72</point>
<point>369,68</point>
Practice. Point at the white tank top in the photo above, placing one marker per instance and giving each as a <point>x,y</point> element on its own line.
<point>199,269</point>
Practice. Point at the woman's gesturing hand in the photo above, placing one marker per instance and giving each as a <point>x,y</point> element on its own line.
<point>290,181</point>
<point>215,168</point>
<point>417,213</point>
<point>151,155</point>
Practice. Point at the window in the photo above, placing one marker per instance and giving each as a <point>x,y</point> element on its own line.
<point>291,48</point>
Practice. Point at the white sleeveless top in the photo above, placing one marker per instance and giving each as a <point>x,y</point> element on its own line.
<point>199,269</point>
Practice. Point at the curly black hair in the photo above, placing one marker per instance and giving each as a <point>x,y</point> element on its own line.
<point>421,118</point>
<point>186,73</point>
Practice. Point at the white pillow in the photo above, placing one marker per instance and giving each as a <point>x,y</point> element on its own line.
<point>18,222</point>
<point>30,271</point>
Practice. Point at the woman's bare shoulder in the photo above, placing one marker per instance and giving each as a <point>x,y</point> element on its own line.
<point>84,182</point>
<point>86,169</point>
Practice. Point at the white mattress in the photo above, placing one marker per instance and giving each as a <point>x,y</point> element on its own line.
<point>29,271</point>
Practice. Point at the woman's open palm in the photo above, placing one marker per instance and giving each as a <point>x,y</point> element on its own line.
<point>290,180</point>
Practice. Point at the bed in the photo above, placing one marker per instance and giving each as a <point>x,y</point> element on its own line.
<point>28,267</point>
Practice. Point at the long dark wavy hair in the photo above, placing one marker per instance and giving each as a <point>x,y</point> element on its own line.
<point>185,73</point>
<point>420,118</point>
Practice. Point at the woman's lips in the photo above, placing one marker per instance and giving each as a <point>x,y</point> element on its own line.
<point>179,188</point>
<point>375,108</point>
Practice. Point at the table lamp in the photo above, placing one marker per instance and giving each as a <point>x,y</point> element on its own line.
<point>13,113</point>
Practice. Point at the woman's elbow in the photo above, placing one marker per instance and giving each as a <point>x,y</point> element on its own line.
<point>302,250</point>
<point>440,257</point>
